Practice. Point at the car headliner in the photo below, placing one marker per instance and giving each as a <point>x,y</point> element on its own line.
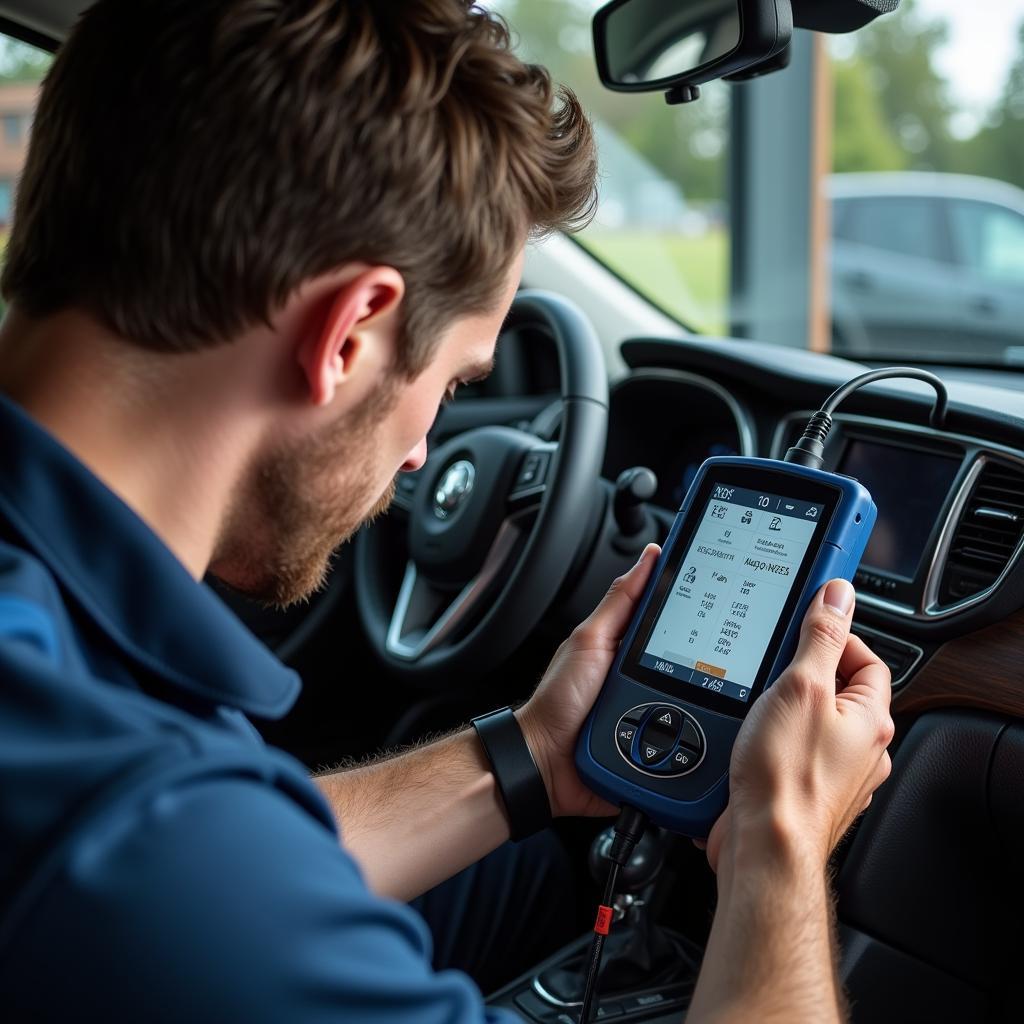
<point>51,18</point>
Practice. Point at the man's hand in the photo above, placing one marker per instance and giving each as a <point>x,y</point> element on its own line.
<point>805,763</point>
<point>552,718</point>
<point>813,749</point>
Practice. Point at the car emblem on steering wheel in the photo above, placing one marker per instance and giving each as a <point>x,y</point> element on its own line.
<point>453,489</point>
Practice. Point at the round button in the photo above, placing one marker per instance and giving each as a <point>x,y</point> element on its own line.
<point>660,739</point>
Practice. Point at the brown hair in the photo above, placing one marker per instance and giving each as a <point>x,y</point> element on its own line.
<point>193,163</point>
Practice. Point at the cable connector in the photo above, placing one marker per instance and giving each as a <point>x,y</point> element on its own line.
<point>810,449</point>
<point>629,830</point>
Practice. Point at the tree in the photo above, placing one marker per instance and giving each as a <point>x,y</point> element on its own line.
<point>997,151</point>
<point>898,54</point>
<point>20,62</point>
<point>862,138</point>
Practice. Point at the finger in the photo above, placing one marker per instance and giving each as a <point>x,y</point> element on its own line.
<point>611,617</point>
<point>864,673</point>
<point>856,656</point>
<point>823,638</point>
<point>716,838</point>
<point>701,844</point>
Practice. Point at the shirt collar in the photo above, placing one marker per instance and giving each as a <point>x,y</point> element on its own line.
<point>127,581</point>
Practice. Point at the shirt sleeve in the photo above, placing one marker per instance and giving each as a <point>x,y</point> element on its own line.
<point>222,900</point>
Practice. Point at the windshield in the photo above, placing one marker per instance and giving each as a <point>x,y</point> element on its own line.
<point>866,201</point>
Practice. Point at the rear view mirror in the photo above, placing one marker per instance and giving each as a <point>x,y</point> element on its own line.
<point>676,45</point>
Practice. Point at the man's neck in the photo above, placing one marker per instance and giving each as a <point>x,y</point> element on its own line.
<point>158,430</point>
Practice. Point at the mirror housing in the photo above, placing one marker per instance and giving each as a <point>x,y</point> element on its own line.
<point>736,37</point>
<point>632,36</point>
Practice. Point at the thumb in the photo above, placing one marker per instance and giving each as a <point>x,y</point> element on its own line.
<point>608,621</point>
<point>823,637</point>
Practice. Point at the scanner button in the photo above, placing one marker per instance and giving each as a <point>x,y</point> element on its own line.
<point>624,733</point>
<point>683,760</point>
<point>651,753</point>
<point>634,716</point>
<point>690,737</point>
<point>667,719</point>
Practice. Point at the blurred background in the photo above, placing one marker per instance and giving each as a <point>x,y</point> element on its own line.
<point>866,201</point>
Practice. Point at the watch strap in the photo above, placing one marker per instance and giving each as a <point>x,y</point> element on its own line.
<point>519,780</point>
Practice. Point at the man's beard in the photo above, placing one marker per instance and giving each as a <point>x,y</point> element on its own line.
<point>300,503</point>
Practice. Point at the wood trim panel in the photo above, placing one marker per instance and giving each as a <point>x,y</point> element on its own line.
<point>982,670</point>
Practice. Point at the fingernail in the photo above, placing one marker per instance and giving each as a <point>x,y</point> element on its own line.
<point>840,595</point>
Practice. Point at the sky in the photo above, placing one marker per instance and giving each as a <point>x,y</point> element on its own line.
<point>982,44</point>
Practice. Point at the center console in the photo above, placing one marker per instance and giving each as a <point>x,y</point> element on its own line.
<point>648,972</point>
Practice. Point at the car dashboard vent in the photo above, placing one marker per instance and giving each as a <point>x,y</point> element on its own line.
<point>988,534</point>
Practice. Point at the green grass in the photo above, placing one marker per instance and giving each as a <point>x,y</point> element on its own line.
<point>687,277</point>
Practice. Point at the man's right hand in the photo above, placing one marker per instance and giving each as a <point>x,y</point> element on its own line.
<point>813,749</point>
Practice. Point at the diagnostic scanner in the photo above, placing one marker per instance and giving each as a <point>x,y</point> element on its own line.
<point>752,543</point>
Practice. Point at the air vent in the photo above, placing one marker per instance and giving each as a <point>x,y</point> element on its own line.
<point>988,534</point>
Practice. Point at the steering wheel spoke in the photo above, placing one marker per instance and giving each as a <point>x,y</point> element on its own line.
<point>427,616</point>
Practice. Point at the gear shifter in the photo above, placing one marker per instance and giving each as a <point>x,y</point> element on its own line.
<point>639,954</point>
<point>634,525</point>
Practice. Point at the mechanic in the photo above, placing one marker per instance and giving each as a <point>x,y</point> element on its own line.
<point>256,243</point>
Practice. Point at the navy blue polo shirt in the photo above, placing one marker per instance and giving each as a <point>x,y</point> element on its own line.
<point>157,860</point>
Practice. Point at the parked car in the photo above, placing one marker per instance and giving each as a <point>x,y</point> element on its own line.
<point>927,263</point>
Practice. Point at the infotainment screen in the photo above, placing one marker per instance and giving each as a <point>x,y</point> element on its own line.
<point>728,591</point>
<point>909,487</point>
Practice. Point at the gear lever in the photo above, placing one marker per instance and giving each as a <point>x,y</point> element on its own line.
<point>634,525</point>
<point>638,953</point>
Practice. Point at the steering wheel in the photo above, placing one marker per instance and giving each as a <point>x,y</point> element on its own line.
<point>496,518</point>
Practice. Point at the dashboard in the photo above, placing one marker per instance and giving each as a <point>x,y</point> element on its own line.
<point>942,582</point>
<point>646,428</point>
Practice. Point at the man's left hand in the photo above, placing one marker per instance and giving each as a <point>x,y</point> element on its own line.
<point>552,718</point>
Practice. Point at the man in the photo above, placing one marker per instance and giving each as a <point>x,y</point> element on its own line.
<point>256,243</point>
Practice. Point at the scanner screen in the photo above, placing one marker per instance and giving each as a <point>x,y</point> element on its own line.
<point>731,586</point>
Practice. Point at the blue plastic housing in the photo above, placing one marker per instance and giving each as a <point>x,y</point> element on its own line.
<point>691,804</point>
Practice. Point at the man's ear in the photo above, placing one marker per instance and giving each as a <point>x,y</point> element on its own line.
<point>335,344</point>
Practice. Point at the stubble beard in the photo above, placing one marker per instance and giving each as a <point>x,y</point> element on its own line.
<point>300,504</point>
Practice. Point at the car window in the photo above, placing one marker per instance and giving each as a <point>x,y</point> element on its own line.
<point>896,224</point>
<point>931,95</point>
<point>990,240</point>
<point>22,68</point>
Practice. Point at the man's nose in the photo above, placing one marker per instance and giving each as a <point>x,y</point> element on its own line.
<point>415,459</point>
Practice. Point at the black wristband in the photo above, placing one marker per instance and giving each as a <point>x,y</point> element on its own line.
<point>519,780</point>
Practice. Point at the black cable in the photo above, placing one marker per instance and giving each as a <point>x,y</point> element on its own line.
<point>938,415</point>
<point>809,450</point>
<point>629,827</point>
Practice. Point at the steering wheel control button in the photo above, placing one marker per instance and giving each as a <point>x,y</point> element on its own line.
<point>689,737</point>
<point>624,734</point>
<point>651,753</point>
<point>533,470</point>
<point>453,488</point>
